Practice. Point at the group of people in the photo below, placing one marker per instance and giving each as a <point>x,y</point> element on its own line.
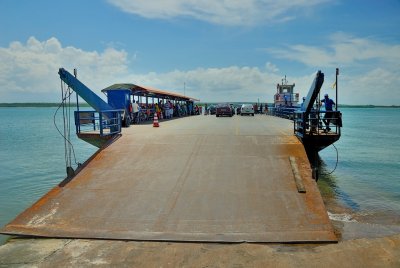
<point>260,109</point>
<point>168,109</point>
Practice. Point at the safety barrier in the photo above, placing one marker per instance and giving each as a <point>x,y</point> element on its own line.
<point>105,123</point>
<point>284,112</point>
<point>314,123</point>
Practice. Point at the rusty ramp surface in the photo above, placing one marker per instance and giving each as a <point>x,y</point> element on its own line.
<point>193,179</point>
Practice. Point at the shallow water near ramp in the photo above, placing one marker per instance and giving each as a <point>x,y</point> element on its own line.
<point>31,158</point>
<point>367,179</point>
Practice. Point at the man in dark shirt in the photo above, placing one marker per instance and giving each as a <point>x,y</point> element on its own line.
<point>329,103</point>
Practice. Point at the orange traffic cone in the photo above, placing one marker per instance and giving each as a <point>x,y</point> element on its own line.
<point>155,121</point>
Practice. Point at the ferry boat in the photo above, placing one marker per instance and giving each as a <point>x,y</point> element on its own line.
<point>285,97</point>
<point>286,101</point>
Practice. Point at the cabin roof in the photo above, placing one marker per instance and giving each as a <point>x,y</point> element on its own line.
<point>139,90</point>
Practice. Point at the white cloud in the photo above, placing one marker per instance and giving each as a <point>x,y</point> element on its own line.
<point>232,83</point>
<point>271,67</point>
<point>370,70</point>
<point>28,73</point>
<point>378,86</point>
<point>227,12</point>
<point>31,68</point>
<point>342,50</point>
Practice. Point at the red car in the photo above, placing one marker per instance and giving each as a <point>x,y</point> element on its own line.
<point>224,109</point>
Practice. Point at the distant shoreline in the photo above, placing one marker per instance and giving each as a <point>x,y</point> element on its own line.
<point>51,104</point>
<point>368,106</point>
<point>38,104</point>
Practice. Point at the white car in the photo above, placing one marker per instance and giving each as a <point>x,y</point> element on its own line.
<point>247,109</point>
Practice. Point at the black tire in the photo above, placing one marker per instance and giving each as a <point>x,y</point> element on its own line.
<point>127,121</point>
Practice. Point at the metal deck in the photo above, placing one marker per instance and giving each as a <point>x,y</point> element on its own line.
<point>199,178</point>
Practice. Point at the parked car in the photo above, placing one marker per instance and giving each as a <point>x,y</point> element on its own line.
<point>247,109</point>
<point>223,109</point>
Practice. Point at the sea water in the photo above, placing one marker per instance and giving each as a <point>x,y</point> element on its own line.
<point>32,157</point>
<point>367,177</point>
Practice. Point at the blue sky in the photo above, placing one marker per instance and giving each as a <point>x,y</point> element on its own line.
<point>220,50</point>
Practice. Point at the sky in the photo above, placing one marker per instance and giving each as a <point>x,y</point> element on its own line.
<point>230,50</point>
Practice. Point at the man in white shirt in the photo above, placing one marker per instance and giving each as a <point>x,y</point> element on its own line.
<point>135,110</point>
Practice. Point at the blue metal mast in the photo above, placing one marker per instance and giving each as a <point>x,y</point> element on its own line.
<point>88,95</point>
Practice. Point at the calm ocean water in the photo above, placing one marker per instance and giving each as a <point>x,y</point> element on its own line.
<point>367,178</point>
<point>31,157</point>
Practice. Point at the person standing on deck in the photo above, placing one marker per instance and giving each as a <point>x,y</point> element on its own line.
<point>329,103</point>
<point>178,109</point>
<point>166,109</point>
<point>158,111</point>
<point>135,110</point>
<point>302,104</point>
<point>171,109</point>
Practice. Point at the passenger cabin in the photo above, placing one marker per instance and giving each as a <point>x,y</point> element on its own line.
<point>147,97</point>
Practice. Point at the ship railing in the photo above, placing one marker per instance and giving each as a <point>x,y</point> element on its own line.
<point>104,123</point>
<point>284,112</point>
<point>313,123</point>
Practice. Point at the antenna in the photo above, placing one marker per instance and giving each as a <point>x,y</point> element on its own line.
<point>284,80</point>
<point>336,85</point>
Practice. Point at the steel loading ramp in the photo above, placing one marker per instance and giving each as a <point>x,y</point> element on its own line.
<point>194,179</point>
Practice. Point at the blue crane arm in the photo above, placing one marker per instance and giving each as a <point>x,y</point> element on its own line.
<point>313,93</point>
<point>88,95</point>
